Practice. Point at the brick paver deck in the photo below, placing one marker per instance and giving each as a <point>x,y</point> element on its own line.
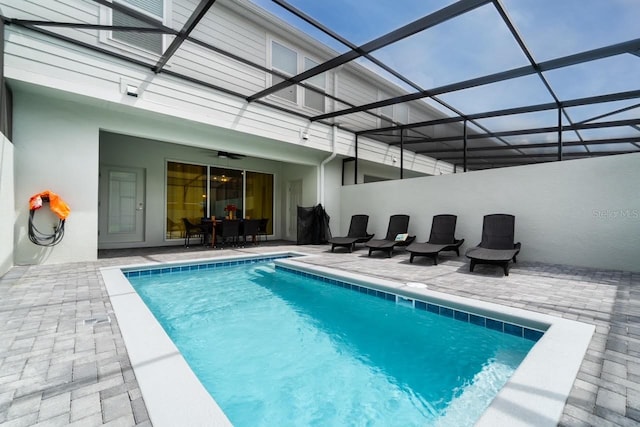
<point>63,360</point>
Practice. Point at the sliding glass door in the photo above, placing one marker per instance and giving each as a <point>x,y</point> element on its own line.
<point>225,189</point>
<point>197,191</point>
<point>259,197</point>
<point>186,196</point>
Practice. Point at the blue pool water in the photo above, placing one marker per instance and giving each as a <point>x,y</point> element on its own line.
<point>275,348</point>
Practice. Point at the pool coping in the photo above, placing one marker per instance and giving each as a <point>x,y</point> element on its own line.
<point>173,394</point>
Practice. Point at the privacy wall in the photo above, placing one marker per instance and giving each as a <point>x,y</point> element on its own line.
<point>578,212</point>
<point>6,201</point>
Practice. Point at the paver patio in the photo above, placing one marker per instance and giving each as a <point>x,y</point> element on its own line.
<point>63,359</point>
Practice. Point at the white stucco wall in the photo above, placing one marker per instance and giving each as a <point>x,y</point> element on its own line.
<point>7,204</point>
<point>332,186</point>
<point>579,212</point>
<point>56,148</point>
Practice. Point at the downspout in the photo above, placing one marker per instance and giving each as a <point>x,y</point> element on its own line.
<point>321,186</point>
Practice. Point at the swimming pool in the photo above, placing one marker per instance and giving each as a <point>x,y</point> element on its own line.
<point>534,395</point>
<point>281,348</point>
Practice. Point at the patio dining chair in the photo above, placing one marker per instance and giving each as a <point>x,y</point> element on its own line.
<point>228,232</point>
<point>250,229</point>
<point>192,230</point>
<point>262,227</point>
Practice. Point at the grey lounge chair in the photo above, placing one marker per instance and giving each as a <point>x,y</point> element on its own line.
<point>357,234</point>
<point>497,246</point>
<point>443,228</point>
<point>398,224</point>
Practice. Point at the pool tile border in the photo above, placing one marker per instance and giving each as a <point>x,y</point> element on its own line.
<point>441,310</point>
<point>207,265</point>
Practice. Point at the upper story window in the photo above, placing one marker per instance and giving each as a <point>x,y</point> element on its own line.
<point>288,62</point>
<point>152,42</point>
<point>314,99</point>
<point>398,113</point>
<point>284,60</point>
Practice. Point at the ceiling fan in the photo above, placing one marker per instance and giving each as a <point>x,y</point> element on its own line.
<point>228,155</point>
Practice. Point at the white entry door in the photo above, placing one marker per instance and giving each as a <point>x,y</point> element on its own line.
<point>121,211</point>
<point>294,199</point>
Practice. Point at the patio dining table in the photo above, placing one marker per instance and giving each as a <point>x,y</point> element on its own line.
<point>210,225</point>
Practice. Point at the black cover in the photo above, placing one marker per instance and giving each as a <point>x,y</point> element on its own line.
<point>313,226</point>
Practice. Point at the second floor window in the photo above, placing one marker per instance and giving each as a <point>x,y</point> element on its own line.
<point>313,99</point>
<point>148,41</point>
<point>285,61</point>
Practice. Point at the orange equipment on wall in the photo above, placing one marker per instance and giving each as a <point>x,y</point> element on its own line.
<point>58,207</point>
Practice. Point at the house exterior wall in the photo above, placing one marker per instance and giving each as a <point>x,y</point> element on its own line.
<point>7,203</point>
<point>61,142</point>
<point>332,185</point>
<point>580,212</point>
<point>56,149</point>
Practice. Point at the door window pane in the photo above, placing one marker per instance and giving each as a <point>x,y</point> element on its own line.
<point>259,200</point>
<point>122,202</point>
<point>186,195</point>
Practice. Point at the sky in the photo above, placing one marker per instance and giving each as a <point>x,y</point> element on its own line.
<point>478,43</point>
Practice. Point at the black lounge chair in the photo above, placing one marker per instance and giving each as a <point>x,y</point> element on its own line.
<point>398,225</point>
<point>357,234</point>
<point>497,246</point>
<point>443,228</point>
